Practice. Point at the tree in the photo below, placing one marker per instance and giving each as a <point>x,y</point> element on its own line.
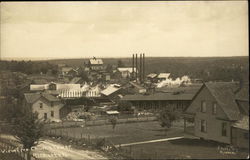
<point>109,68</point>
<point>124,106</point>
<point>28,130</point>
<point>120,63</point>
<point>167,117</point>
<point>113,121</point>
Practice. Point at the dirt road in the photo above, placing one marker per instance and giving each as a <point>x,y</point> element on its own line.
<point>47,149</point>
<point>50,150</point>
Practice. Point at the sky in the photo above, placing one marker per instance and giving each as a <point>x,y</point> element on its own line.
<point>45,30</point>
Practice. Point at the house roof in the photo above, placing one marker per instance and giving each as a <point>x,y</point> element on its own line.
<point>37,87</point>
<point>158,96</point>
<point>136,85</point>
<point>128,69</point>
<point>33,97</point>
<point>243,123</point>
<point>163,75</point>
<point>152,75</point>
<point>66,69</point>
<point>223,92</point>
<point>95,61</point>
<point>75,80</point>
<point>68,86</point>
<point>243,93</point>
<point>109,90</point>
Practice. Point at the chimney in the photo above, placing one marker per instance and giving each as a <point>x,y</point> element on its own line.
<point>133,65</point>
<point>140,69</point>
<point>136,68</point>
<point>143,66</point>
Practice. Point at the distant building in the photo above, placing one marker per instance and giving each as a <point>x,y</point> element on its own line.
<point>96,64</point>
<point>126,72</point>
<point>152,77</point>
<point>68,72</point>
<point>76,80</point>
<point>47,106</point>
<point>220,113</point>
<point>163,76</point>
<point>157,101</point>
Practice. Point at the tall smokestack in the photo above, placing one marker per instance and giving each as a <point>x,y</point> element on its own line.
<point>133,65</point>
<point>136,67</point>
<point>143,66</point>
<point>140,68</point>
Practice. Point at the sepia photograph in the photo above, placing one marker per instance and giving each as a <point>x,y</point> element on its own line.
<point>124,80</point>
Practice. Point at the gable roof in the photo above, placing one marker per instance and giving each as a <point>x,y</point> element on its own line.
<point>75,80</point>
<point>109,90</point>
<point>223,92</point>
<point>95,61</point>
<point>66,69</point>
<point>37,87</point>
<point>243,93</point>
<point>152,75</point>
<point>68,86</point>
<point>163,75</point>
<point>33,97</point>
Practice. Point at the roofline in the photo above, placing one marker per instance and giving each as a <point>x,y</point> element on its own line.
<point>218,103</point>
<point>195,96</point>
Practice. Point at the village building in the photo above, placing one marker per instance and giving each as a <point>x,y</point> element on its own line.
<point>112,93</point>
<point>68,72</point>
<point>96,64</point>
<point>158,101</point>
<point>152,77</point>
<point>126,72</point>
<point>220,113</point>
<point>47,106</point>
<point>163,76</point>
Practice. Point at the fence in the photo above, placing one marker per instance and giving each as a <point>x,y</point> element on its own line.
<point>66,124</point>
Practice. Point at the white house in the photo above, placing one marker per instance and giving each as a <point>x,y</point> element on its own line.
<point>47,106</point>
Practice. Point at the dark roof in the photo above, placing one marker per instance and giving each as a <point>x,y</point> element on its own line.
<point>223,92</point>
<point>33,97</point>
<point>158,97</point>
<point>243,93</point>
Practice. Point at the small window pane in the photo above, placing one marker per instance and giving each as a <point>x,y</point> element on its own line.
<point>224,129</point>
<point>214,108</point>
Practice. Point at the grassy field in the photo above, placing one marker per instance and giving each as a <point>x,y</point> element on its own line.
<point>187,147</point>
<point>183,148</point>
<point>124,133</point>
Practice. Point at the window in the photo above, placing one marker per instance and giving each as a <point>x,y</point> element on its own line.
<point>45,115</point>
<point>203,106</point>
<point>203,126</point>
<point>52,113</point>
<point>214,108</point>
<point>41,105</point>
<point>224,129</point>
<point>52,104</point>
<point>246,135</point>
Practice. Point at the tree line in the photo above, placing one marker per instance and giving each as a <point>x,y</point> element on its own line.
<point>29,67</point>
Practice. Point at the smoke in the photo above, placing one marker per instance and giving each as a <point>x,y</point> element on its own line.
<point>174,83</point>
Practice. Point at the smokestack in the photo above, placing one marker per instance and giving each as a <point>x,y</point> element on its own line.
<point>143,66</point>
<point>140,68</point>
<point>136,67</point>
<point>133,65</point>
